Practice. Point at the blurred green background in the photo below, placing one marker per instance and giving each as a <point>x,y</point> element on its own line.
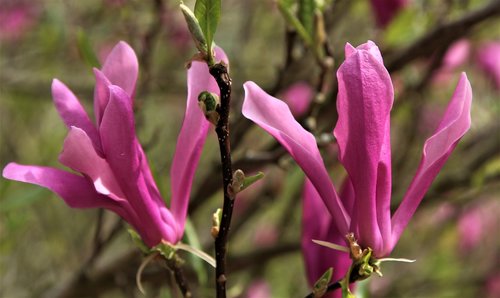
<point>46,248</point>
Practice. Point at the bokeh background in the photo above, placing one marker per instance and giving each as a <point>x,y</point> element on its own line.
<point>50,250</point>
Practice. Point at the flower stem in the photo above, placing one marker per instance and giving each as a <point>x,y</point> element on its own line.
<point>175,264</point>
<point>220,73</point>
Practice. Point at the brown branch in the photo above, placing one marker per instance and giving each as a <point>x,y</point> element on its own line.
<point>220,73</point>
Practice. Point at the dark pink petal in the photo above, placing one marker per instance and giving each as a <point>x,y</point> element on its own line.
<point>79,155</point>
<point>364,102</point>
<point>318,224</point>
<point>121,67</point>
<point>101,95</point>
<point>437,149</point>
<point>275,117</point>
<point>121,151</point>
<point>191,138</point>
<point>76,191</point>
<point>72,112</point>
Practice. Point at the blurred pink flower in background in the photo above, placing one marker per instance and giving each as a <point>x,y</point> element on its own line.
<point>492,287</point>
<point>16,18</point>
<point>456,56</point>
<point>298,97</point>
<point>488,59</point>
<point>259,289</point>
<point>478,223</point>
<point>386,10</point>
<point>265,235</point>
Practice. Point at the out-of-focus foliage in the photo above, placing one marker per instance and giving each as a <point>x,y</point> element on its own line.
<point>43,243</point>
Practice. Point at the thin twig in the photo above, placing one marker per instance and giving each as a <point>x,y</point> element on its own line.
<point>220,73</point>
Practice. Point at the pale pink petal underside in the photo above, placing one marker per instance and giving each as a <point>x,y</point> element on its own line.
<point>274,116</point>
<point>455,123</point>
<point>191,138</point>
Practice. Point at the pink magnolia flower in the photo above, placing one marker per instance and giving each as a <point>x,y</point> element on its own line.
<point>112,169</point>
<point>488,59</point>
<point>364,101</point>
<point>386,10</point>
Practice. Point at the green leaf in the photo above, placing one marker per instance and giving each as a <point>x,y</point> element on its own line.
<point>138,241</point>
<point>251,180</point>
<point>207,13</point>
<point>194,29</point>
<point>295,23</point>
<point>191,239</point>
<point>306,13</point>
<point>85,49</point>
<point>321,285</point>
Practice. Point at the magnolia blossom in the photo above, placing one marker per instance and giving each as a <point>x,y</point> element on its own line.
<point>111,168</point>
<point>365,98</point>
<point>386,10</point>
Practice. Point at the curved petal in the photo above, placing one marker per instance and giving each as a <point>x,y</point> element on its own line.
<point>72,112</point>
<point>121,151</point>
<point>101,94</point>
<point>79,155</point>
<point>122,68</point>
<point>455,123</point>
<point>191,138</point>
<point>317,224</point>
<point>75,190</point>
<point>275,117</point>
<point>364,102</point>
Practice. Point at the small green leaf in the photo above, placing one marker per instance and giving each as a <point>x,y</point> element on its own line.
<point>194,29</point>
<point>138,241</point>
<point>251,180</point>
<point>85,49</point>
<point>321,285</point>
<point>208,14</point>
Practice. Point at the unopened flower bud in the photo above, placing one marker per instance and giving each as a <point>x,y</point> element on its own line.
<point>208,103</point>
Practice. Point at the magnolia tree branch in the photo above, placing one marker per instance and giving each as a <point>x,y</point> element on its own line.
<point>220,73</point>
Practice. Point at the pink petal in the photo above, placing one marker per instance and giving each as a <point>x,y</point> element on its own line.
<point>363,134</point>
<point>191,138</point>
<point>275,117</point>
<point>79,155</point>
<point>72,112</point>
<point>121,150</point>
<point>101,95</point>
<point>76,191</point>
<point>455,123</point>
<point>318,224</point>
<point>121,67</point>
